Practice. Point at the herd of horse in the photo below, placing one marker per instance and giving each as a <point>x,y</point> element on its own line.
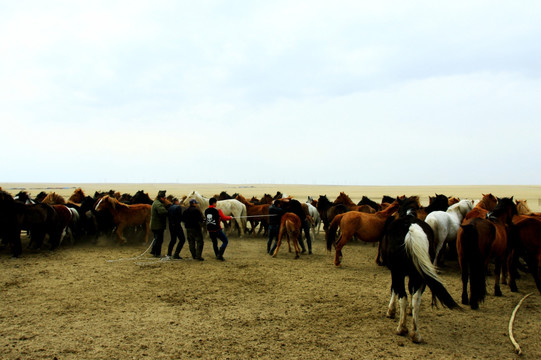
<point>412,240</point>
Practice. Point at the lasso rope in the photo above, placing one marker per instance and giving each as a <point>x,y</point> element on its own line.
<point>517,346</point>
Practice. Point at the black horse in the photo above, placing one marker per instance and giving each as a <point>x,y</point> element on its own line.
<point>405,251</point>
<point>38,219</point>
<point>366,201</point>
<point>328,210</point>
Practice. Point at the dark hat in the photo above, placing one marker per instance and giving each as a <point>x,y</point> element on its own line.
<point>161,193</point>
<point>193,201</point>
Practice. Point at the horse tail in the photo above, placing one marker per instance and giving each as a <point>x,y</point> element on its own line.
<point>472,260</point>
<point>330,236</point>
<point>416,244</point>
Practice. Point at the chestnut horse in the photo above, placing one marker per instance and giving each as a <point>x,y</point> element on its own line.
<point>257,214</point>
<point>344,199</point>
<point>487,203</point>
<point>367,227</point>
<point>523,209</point>
<point>53,198</point>
<point>77,197</point>
<point>125,215</point>
<point>290,225</point>
<point>480,240</point>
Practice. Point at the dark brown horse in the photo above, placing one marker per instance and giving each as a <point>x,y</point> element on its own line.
<point>480,240</point>
<point>526,243</point>
<point>367,227</point>
<point>125,215</point>
<point>290,225</point>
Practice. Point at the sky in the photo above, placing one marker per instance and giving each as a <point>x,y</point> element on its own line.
<point>278,92</point>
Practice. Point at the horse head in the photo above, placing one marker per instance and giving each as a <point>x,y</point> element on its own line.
<point>504,210</point>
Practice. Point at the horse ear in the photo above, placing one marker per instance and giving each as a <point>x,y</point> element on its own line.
<point>512,197</point>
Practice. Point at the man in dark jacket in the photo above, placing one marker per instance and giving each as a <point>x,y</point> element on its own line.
<point>158,222</point>
<point>275,217</point>
<point>175,229</point>
<point>214,217</point>
<point>193,221</point>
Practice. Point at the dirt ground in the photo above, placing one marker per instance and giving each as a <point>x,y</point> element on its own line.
<point>76,304</point>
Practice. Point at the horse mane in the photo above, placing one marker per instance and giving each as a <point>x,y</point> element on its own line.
<point>53,198</point>
<point>243,200</point>
<point>522,207</point>
<point>343,197</point>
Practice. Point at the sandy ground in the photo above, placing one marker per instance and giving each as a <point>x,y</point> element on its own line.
<point>75,304</point>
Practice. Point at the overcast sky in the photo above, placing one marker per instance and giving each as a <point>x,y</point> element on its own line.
<point>300,92</point>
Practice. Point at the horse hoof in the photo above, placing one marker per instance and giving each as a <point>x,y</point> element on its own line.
<point>390,314</point>
<point>474,306</point>
<point>497,292</point>
<point>416,338</point>
<point>401,330</point>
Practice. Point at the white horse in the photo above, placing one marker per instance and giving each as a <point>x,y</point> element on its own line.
<point>316,219</point>
<point>231,207</point>
<point>445,224</point>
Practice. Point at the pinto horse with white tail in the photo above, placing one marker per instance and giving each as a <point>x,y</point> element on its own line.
<point>445,225</point>
<point>405,251</point>
<point>231,207</point>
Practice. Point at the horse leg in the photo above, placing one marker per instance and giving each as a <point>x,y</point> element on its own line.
<point>511,265</point>
<point>399,289</point>
<point>497,272</point>
<point>119,231</point>
<point>391,311</point>
<point>402,328</point>
<point>297,247</point>
<point>379,261</point>
<point>278,242</point>
<point>342,241</point>
<point>416,306</point>
<point>465,277</point>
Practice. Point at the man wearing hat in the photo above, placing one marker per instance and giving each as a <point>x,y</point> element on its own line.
<point>158,222</point>
<point>193,221</point>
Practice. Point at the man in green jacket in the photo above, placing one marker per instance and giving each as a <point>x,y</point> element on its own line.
<point>158,222</point>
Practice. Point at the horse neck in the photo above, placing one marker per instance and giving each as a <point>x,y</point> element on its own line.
<point>391,209</point>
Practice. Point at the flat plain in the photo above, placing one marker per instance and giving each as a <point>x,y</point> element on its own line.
<point>104,300</point>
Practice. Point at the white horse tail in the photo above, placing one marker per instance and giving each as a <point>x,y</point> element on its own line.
<point>416,244</point>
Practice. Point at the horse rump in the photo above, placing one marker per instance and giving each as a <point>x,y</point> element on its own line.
<point>471,264</point>
<point>417,247</point>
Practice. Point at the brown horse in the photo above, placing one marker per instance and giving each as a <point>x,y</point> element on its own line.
<point>125,215</point>
<point>53,198</point>
<point>524,209</point>
<point>367,227</point>
<point>480,240</point>
<point>526,235</point>
<point>291,226</point>
<point>487,203</point>
<point>77,197</point>
<point>256,214</point>
<point>344,199</point>
<point>453,200</point>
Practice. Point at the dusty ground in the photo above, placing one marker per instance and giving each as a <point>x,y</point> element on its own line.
<point>74,304</point>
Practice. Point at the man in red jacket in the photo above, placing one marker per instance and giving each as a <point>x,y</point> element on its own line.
<point>213,216</point>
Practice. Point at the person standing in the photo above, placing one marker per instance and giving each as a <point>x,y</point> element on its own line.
<point>213,216</point>
<point>158,222</point>
<point>193,221</point>
<point>275,217</point>
<point>175,229</point>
